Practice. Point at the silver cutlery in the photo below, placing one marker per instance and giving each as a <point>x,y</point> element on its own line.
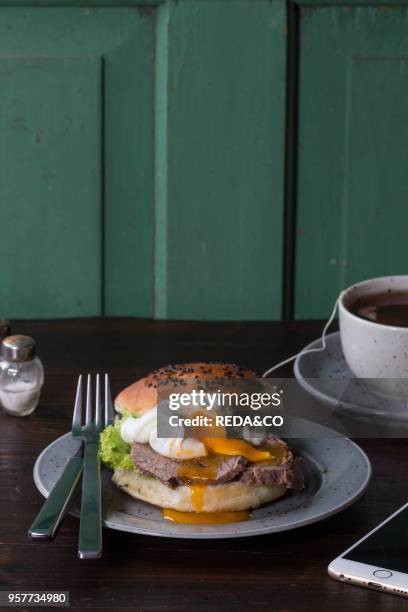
<point>87,428</point>
<point>90,529</point>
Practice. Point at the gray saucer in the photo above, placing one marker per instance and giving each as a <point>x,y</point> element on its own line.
<point>338,473</point>
<point>327,377</point>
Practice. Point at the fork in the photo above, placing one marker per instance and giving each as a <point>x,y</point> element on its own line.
<point>90,529</point>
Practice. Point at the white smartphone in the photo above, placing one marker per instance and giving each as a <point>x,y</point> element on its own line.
<point>379,560</point>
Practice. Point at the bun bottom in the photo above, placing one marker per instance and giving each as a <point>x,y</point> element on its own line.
<point>229,497</point>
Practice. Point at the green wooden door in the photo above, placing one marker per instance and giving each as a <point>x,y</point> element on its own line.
<point>353,133</point>
<point>75,107</point>
<point>142,159</point>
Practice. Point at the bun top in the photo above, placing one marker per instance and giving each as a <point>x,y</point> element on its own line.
<point>141,396</point>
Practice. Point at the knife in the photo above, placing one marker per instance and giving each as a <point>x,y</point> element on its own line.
<point>55,507</point>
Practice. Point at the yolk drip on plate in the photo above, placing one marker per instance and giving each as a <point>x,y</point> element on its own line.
<point>204,518</point>
<point>201,471</point>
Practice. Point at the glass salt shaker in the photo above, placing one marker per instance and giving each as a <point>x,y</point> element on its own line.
<point>21,375</point>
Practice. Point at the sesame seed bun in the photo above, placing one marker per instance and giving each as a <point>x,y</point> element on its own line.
<point>141,396</point>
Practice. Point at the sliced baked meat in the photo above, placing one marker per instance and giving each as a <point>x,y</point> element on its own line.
<point>151,463</point>
<point>291,473</point>
<point>167,470</point>
<point>230,467</point>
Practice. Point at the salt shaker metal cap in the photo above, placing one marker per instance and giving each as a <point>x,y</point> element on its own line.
<point>4,328</point>
<point>18,348</point>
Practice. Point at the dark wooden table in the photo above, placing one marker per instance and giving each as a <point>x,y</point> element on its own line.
<point>281,572</point>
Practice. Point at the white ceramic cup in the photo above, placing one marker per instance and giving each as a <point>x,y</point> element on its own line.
<point>373,351</point>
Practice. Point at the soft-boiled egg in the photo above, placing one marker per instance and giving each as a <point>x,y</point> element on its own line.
<point>177,448</point>
<point>139,429</point>
<point>143,429</point>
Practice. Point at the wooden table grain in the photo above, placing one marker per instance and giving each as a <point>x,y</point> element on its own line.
<point>281,572</point>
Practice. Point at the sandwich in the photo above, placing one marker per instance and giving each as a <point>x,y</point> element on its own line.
<point>208,473</point>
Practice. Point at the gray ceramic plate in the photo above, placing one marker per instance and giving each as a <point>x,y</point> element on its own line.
<point>327,377</point>
<point>338,473</point>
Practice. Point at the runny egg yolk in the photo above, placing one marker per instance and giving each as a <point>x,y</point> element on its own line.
<point>197,497</point>
<point>226,446</point>
<point>204,469</point>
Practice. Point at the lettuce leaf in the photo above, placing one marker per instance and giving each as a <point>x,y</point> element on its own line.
<point>113,451</point>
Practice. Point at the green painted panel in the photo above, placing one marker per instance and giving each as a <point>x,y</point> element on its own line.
<point>128,168</point>
<point>49,251</point>
<point>353,129</point>
<point>220,94</point>
<point>73,82</point>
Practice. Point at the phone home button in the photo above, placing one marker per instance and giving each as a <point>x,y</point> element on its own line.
<point>382,574</point>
